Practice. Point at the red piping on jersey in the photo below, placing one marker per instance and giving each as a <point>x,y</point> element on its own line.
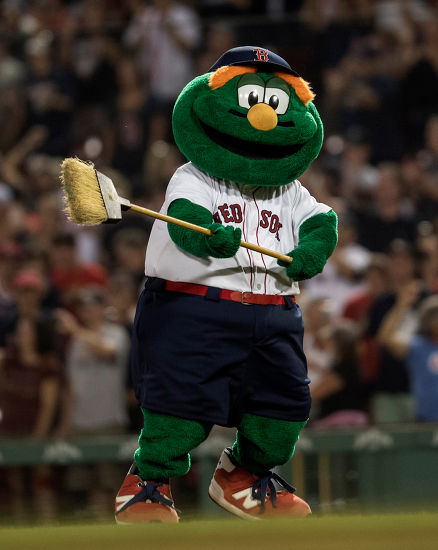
<point>244,236</point>
<point>257,232</point>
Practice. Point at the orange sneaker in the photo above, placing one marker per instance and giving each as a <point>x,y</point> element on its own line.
<point>141,501</point>
<point>251,497</point>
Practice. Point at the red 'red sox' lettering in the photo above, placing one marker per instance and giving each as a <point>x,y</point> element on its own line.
<point>233,214</point>
<point>271,221</point>
<point>265,214</point>
<point>236,212</point>
<point>226,214</point>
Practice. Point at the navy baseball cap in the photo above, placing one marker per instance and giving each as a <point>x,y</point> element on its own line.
<point>253,55</point>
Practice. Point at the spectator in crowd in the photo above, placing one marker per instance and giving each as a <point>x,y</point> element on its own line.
<point>50,94</point>
<point>364,93</point>
<point>218,8</point>
<point>161,159</point>
<point>375,279</point>
<point>12,102</point>
<point>94,399</point>
<point>29,382</point>
<point>420,351</point>
<point>131,130</point>
<point>92,135</point>
<point>122,297</point>
<point>31,366</point>
<point>426,175</point>
<point>12,70</point>
<point>318,316</point>
<point>219,38</point>
<point>427,247</point>
<point>129,250</point>
<point>68,273</point>
<point>392,401</point>
<point>16,167</point>
<point>338,394</point>
<point>357,309</point>
<point>96,361</point>
<point>47,220</point>
<point>343,272</point>
<point>419,84</point>
<point>10,256</point>
<point>390,218</point>
<point>358,177</point>
<point>165,34</point>
<point>93,57</point>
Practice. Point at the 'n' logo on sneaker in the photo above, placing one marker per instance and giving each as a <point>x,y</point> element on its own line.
<point>121,501</point>
<point>249,501</point>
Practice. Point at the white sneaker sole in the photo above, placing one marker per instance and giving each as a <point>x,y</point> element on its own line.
<point>140,522</point>
<point>217,495</point>
<point>122,522</point>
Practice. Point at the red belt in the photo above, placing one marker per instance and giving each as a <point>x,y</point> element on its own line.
<point>233,295</point>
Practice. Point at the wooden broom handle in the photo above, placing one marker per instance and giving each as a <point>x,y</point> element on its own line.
<point>199,229</point>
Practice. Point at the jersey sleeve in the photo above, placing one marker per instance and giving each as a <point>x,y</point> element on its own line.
<point>304,207</point>
<point>190,185</point>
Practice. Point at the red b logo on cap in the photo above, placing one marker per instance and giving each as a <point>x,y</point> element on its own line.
<point>261,54</point>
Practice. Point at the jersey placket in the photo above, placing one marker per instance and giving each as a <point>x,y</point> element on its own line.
<point>246,233</point>
<point>261,272</point>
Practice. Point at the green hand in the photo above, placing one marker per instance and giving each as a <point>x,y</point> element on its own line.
<point>300,269</point>
<point>225,241</point>
<point>318,236</point>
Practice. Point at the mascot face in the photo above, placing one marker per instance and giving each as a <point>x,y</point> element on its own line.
<point>248,126</point>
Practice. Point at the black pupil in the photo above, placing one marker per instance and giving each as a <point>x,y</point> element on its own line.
<point>253,98</point>
<point>274,101</point>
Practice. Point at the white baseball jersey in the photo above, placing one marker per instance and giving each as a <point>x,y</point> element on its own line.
<point>268,216</point>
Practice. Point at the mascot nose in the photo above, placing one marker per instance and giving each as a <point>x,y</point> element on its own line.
<point>262,117</point>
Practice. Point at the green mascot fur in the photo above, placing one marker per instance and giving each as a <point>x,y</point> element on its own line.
<point>218,335</point>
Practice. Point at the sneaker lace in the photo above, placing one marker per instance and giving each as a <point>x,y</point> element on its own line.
<point>264,487</point>
<point>149,492</point>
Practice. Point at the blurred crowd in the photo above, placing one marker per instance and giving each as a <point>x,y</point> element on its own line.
<point>97,79</point>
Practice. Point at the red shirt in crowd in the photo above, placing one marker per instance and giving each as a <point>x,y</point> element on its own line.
<point>79,276</point>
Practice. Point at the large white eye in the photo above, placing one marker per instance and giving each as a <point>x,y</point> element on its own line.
<point>250,94</point>
<point>277,99</point>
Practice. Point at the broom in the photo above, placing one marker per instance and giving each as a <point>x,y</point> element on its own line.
<point>91,199</point>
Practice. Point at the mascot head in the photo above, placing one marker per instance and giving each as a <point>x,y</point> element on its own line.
<point>250,119</point>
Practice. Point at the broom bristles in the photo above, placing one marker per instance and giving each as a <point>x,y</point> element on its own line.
<point>83,200</point>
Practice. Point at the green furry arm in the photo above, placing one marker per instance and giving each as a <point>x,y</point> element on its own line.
<point>224,243</point>
<point>317,239</point>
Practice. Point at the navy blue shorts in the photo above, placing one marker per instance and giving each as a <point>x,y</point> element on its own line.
<point>212,360</point>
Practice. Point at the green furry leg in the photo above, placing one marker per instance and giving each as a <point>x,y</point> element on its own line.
<point>263,443</point>
<point>165,442</point>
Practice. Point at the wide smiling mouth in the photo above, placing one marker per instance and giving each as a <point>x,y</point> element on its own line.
<point>250,149</point>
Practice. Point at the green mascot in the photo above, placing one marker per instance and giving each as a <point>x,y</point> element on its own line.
<point>217,336</point>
